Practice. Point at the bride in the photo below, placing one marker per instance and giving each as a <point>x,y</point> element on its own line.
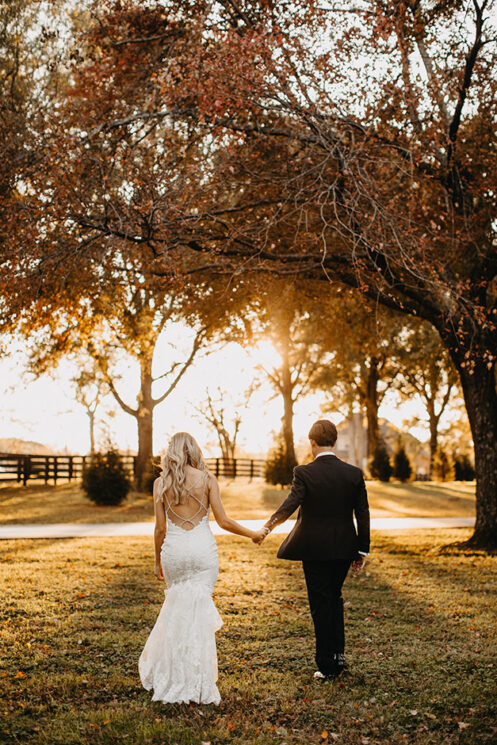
<point>179,660</point>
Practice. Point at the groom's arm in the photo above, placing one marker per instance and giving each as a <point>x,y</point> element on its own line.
<point>291,503</point>
<point>361,511</point>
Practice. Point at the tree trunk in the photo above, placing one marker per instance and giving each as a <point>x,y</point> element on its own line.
<point>372,406</point>
<point>287,393</point>
<point>145,423</point>
<point>91,417</point>
<point>480,395</point>
<point>433,419</point>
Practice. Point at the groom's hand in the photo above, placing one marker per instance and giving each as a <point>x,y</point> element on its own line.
<point>358,564</point>
<point>259,536</point>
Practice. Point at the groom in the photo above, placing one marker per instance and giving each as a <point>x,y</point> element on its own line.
<point>328,493</point>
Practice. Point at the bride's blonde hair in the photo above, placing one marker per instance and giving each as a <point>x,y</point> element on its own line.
<point>183,450</point>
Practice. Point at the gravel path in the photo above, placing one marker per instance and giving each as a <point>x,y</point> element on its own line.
<point>79,530</point>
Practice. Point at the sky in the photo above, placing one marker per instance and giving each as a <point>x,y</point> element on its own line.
<point>45,410</point>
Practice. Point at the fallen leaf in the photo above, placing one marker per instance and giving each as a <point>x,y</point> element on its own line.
<point>462,725</point>
<point>324,735</point>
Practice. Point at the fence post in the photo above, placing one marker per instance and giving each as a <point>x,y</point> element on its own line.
<point>234,468</point>
<point>19,468</point>
<point>26,469</point>
<point>55,461</point>
<point>70,468</point>
<point>251,470</point>
<point>47,468</point>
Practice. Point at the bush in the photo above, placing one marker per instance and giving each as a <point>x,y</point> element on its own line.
<point>105,480</point>
<point>152,471</point>
<point>441,468</point>
<point>401,464</point>
<point>379,465</point>
<point>463,468</point>
<point>278,468</point>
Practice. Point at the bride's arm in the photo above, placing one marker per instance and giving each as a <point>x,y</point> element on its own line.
<point>222,519</point>
<point>159,531</point>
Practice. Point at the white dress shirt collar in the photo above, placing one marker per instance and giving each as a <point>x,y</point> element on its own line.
<point>325,452</point>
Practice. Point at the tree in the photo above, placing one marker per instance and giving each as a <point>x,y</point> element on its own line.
<point>463,468</point>
<point>443,469</point>
<point>89,387</point>
<point>386,178</point>
<point>106,298</point>
<point>225,425</point>
<point>380,466</point>
<point>123,318</point>
<point>401,464</point>
<point>290,320</point>
<point>363,343</point>
<point>428,371</point>
<point>393,167</point>
<point>279,466</point>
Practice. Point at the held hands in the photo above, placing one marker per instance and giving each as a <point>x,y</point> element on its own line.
<point>259,535</point>
<point>158,572</point>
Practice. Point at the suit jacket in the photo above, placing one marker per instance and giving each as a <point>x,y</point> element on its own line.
<point>328,493</point>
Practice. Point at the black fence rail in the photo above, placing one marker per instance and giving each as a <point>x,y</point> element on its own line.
<point>21,468</point>
<point>232,468</point>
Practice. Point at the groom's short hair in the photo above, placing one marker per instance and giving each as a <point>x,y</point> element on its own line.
<point>323,432</point>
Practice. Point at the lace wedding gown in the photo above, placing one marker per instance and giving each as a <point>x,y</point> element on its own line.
<point>179,660</point>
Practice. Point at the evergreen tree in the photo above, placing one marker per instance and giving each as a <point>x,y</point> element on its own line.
<point>279,466</point>
<point>463,468</point>
<point>380,466</point>
<point>442,467</point>
<point>402,469</point>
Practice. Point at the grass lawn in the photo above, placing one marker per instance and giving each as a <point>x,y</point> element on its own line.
<point>67,503</point>
<point>421,631</point>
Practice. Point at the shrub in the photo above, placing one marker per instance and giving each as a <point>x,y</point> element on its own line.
<point>401,464</point>
<point>441,468</point>
<point>379,465</point>
<point>463,468</point>
<point>105,480</point>
<point>152,471</point>
<point>278,468</point>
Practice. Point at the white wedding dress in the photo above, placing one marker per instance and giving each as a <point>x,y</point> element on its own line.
<point>179,660</point>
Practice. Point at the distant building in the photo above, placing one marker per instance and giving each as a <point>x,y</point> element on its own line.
<point>352,444</point>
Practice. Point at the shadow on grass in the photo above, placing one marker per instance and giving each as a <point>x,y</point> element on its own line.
<point>407,652</point>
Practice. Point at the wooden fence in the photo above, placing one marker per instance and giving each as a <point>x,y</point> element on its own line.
<point>22,468</point>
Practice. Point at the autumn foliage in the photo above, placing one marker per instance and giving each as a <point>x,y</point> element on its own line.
<point>352,145</point>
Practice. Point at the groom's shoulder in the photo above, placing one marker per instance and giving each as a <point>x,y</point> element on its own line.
<point>341,466</point>
<point>351,471</point>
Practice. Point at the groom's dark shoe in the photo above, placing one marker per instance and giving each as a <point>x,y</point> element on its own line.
<point>341,665</point>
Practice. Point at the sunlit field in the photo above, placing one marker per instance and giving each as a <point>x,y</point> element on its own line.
<point>242,499</point>
<point>421,647</point>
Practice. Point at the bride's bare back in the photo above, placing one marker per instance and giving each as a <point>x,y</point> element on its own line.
<point>195,507</point>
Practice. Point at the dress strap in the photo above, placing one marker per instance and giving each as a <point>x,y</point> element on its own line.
<point>168,508</point>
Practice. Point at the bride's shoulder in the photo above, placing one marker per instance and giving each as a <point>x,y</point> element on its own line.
<point>160,484</point>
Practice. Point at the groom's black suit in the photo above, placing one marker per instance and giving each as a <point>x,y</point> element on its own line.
<point>328,493</point>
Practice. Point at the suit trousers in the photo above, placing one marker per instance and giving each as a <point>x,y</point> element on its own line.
<point>324,580</point>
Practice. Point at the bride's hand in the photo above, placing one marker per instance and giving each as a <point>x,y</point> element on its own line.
<point>158,572</point>
<point>259,536</point>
